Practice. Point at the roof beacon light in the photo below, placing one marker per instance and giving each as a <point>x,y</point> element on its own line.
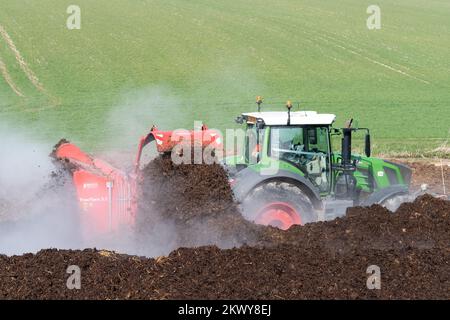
<point>259,101</point>
<point>289,107</point>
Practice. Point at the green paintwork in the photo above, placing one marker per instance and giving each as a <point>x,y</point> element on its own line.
<point>366,167</point>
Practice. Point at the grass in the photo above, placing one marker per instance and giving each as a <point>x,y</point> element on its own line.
<point>135,63</point>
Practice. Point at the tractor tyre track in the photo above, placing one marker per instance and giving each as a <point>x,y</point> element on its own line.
<point>24,66</point>
<point>363,56</point>
<point>8,79</point>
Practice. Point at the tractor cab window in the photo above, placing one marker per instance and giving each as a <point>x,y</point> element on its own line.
<point>318,139</point>
<point>306,147</point>
<point>254,139</point>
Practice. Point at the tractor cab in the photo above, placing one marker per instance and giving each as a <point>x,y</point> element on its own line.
<point>298,140</point>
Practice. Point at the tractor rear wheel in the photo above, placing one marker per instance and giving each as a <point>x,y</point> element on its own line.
<point>278,204</point>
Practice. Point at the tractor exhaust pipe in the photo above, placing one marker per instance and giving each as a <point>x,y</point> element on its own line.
<point>347,180</point>
<point>346,147</point>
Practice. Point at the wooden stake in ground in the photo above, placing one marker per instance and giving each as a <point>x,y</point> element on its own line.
<point>443,177</point>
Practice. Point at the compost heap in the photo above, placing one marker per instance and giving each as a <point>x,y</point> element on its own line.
<point>197,202</point>
<point>325,260</point>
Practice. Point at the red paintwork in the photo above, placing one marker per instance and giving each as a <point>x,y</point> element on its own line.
<point>278,214</point>
<point>100,213</point>
<point>73,153</point>
<point>167,140</point>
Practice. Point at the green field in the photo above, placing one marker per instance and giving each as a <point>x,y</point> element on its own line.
<point>135,63</point>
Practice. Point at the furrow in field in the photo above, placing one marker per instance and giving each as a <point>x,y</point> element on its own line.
<point>8,79</point>
<point>358,47</point>
<point>384,65</point>
<point>23,65</point>
<point>320,38</point>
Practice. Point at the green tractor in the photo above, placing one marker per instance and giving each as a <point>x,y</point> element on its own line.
<point>289,174</point>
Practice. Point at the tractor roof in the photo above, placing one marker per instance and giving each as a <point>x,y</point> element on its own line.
<point>297,118</point>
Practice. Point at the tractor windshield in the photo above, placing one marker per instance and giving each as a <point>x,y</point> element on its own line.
<point>307,147</point>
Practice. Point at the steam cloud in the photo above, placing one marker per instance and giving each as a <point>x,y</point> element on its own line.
<point>34,212</point>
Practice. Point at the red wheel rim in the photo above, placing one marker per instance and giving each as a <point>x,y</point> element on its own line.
<point>278,214</point>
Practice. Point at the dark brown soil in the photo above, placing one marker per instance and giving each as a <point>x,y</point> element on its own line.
<point>197,201</point>
<point>322,260</point>
<point>282,272</point>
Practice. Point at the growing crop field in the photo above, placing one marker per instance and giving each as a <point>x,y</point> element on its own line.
<point>137,63</point>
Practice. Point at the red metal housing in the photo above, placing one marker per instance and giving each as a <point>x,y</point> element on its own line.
<point>108,196</point>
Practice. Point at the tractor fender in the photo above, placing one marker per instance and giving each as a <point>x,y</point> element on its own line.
<point>384,194</point>
<point>247,179</point>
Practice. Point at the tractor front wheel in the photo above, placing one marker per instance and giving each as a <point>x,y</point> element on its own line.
<point>280,205</point>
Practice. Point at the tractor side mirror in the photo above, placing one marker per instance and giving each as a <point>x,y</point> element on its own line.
<point>260,124</point>
<point>367,145</point>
